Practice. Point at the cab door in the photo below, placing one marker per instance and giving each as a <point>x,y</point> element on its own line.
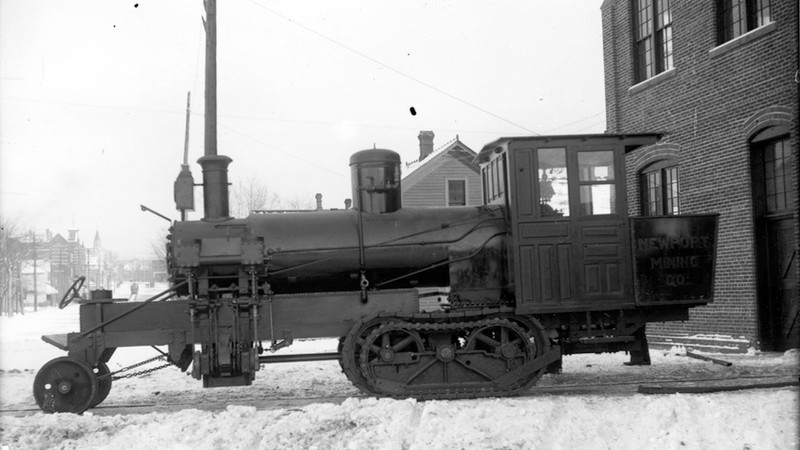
<point>570,233</point>
<point>601,225</point>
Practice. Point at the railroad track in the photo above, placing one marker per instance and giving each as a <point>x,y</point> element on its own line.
<point>622,388</point>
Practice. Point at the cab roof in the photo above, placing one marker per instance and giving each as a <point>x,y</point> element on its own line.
<point>631,141</point>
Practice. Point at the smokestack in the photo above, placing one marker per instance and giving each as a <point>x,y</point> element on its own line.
<point>425,144</point>
<point>215,187</point>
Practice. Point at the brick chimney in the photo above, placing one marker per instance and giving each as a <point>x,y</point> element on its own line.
<point>425,144</point>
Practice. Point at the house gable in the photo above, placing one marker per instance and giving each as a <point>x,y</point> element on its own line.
<point>426,184</point>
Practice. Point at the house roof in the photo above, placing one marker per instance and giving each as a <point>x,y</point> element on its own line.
<point>415,171</point>
<point>58,240</point>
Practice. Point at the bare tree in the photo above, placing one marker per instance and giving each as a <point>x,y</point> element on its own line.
<point>12,255</point>
<point>159,246</point>
<point>251,194</point>
<point>298,203</point>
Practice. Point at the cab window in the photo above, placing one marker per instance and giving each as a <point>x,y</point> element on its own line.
<point>596,182</point>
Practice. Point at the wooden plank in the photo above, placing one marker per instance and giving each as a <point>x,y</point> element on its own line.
<point>706,358</point>
<point>711,388</point>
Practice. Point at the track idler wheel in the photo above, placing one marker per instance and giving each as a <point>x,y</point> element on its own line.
<point>65,385</point>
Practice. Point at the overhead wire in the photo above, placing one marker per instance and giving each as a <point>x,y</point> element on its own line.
<point>339,44</point>
<point>290,154</point>
<point>393,69</point>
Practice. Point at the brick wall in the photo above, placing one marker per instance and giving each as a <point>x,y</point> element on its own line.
<point>709,106</point>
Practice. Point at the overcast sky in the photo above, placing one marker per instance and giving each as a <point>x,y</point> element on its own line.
<point>93,95</point>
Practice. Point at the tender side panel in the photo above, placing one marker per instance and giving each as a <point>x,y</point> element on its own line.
<point>674,258</point>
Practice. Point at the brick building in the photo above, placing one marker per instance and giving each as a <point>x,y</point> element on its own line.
<point>720,79</point>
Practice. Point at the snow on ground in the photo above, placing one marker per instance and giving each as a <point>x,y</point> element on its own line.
<point>255,418</point>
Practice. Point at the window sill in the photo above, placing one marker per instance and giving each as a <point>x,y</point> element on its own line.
<point>742,40</point>
<point>660,78</point>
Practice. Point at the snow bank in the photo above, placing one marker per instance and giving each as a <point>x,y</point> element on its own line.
<point>677,421</point>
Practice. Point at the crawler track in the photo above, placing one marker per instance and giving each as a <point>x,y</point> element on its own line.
<point>442,357</point>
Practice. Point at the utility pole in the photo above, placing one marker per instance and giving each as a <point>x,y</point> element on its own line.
<point>35,284</point>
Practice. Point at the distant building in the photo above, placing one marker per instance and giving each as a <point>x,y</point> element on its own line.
<point>720,79</point>
<point>67,260</point>
<point>61,269</point>
<point>447,176</point>
<point>97,270</point>
<point>36,283</point>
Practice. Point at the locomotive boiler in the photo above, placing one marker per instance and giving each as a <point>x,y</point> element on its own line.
<point>550,265</point>
<point>377,244</point>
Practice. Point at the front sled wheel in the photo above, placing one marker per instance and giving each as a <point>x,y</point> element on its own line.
<point>65,385</point>
<point>103,375</point>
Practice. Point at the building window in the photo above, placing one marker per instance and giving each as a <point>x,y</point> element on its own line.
<point>772,165</point>
<point>660,193</point>
<point>653,37</point>
<point>456,192</point>
<point>737,17</point>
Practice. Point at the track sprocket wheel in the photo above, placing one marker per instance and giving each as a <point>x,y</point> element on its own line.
<point>350,351</point>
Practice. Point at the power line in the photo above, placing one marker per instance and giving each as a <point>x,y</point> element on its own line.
<point>232,116</point>
<point>576,121</point>
<point>89,105</point>
<point>397,71</point>
<point>282,151</point>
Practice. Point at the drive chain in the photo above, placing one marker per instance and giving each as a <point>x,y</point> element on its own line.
<point>114,376</point>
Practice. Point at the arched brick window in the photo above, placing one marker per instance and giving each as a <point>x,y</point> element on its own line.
<point>771,169</point>
<point>660,188</point>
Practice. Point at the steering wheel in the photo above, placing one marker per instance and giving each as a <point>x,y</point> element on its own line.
<point>72,292</point>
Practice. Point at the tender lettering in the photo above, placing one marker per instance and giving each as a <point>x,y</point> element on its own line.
<point>675,262</point>
<point>677,280</point>
<point>672,242</point>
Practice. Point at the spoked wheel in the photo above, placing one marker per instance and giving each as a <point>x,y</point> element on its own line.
<point>504,342</point>
<point>390,346</point>
<point>350,349</point>
<point>390,357</point>
<point>103,375</point>
<point>510,345</point>
<point>65,385</point>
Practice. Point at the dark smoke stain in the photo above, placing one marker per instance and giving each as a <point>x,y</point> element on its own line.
<point>413,111</point>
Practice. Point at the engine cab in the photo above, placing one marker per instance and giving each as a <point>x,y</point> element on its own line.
<point>572,236</point>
